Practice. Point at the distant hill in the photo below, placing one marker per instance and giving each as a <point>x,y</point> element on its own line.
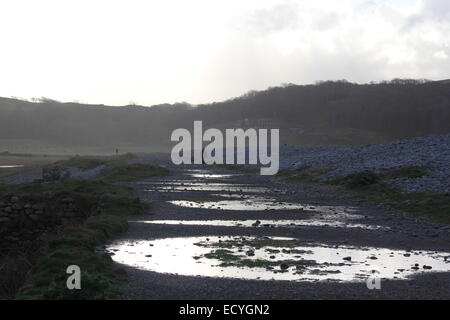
<point>327,113</point>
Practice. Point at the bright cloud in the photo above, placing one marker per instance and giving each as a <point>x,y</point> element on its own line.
<point>199,51</point>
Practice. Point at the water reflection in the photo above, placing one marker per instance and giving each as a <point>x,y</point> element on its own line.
<point>210,176</point>
<point>11,166</point>
<point>247,203</point>
<point>179,186</point>
<point>273,258</point>
<point>268,223</point>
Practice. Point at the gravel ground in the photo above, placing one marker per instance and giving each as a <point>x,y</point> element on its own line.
<point>404,232</point>
<point>431,151</point>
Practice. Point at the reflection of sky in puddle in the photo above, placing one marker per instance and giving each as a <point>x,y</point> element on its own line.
<point>185,256</point>
<point>247,205</point>
<point>328,222</point>
<point>189,186</point>
<point>210,176</point>
<point>260,204</point>
<point>11,166</point>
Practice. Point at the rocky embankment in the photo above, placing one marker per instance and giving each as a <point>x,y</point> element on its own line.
<point>26,219</point>
<point>432,152</point>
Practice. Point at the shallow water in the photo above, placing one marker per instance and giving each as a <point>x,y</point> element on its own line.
<point>11,166</point>
<point>306,261</point>
<point>210,176</point>
<point>180,186</point>
<point>247,205</point>
<point>253,203</point>
<point>268,223</point>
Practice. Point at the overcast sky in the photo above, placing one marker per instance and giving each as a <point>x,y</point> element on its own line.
<point>157,51</point>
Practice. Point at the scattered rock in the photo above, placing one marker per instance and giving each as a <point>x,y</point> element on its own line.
<point>256,224</point>
<point>250,253</point>
<point>347,258</point>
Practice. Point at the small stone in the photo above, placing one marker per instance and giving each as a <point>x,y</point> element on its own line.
<point>256,224</point>
<point>347,258</point>
<point>284,266</point>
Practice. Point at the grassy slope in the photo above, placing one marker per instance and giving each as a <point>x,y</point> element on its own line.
<point>111,203</point>
<point>76,244</point>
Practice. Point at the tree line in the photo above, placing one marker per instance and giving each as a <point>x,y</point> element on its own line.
<point>399,108</point>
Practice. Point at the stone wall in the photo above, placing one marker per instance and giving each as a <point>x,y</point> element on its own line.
<point>26,219</point>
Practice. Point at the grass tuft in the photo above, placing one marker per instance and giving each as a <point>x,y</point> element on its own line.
<point>133,171</point>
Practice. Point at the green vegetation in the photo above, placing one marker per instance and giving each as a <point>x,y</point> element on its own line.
<point>261,263</point>
<point>330,112</point>
<point>229,258</point>
<point>100,278</point>
<point>358,180</point>
<point>367,177</point>
<point>118,169</point>
<point>304,174</point>
<point>91,162</point>
<point>405,172</point>
<point>83,163</point>
<point>435,206</point>
<point>223,255</point>
<point>237,167</point>
<point>373,188</point>
<point>133,171</point>
<point>108,204</point>
<point>256,243</point>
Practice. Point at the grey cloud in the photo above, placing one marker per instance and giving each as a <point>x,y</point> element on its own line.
<point>326,21</point>
<point>431,10</point>
<point>439,9</point>
<point>280,17</point>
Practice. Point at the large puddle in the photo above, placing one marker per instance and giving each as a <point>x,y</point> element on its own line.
<point>269,258</point>
<point>328,222</point>
<point>247,205</point>
<point>254,203</point>
<point>179,186</point>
